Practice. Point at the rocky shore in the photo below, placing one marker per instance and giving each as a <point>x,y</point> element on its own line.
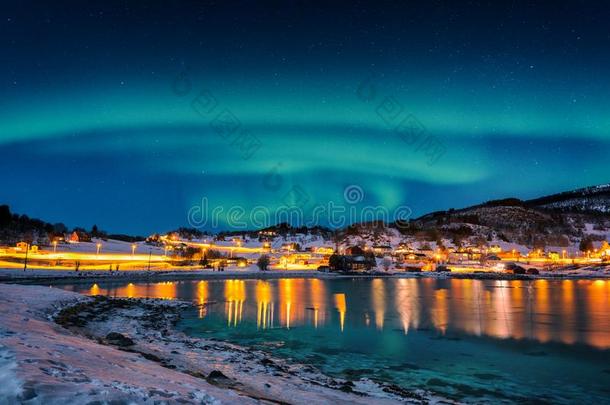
<point>60,345</point>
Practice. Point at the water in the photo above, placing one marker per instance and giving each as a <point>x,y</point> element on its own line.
<point>473,340</point>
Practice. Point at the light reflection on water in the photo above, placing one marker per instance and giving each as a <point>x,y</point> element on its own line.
<point>474,340</point>
<point>567,311</point>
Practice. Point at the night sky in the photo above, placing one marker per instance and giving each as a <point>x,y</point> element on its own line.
<point>126,115</point>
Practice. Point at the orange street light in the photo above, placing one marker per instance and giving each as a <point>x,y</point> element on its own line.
<point>54,246</point>
<point>98,246</point>
<point>133,249</point>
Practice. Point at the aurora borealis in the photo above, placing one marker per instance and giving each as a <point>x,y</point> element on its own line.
<point>92,129</point>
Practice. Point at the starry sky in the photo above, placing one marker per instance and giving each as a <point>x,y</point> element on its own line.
<point>127,115</point>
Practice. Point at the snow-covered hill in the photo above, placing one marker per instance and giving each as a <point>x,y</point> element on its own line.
<point>594,199</point>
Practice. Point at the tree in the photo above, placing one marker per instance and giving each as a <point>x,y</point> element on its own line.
<point>369,260</point>
<point>263,262</point>
<point>214,254</point>
<point>335,262</point>
<point>356,251</point>
<point>586,244</point>
<point>337,238</point>
<point>204,260</point>
<point>539,243</point>
<point>60,228</point>
<point>5,215</point>
<point>190,252</point>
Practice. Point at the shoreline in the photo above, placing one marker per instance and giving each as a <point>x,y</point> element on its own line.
<point>46,277</point>
<point>109,349</point>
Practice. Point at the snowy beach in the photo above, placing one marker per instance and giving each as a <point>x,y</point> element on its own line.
<point>58,346</point>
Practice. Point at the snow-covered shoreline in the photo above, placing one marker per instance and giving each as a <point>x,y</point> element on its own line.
<point>47,277</point>
<point>81,360</point>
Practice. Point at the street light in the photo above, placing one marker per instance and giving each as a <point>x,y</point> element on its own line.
<point>54,246</point>
<point>98,246</point>
<point>133,249</point>
<point>25,261</point>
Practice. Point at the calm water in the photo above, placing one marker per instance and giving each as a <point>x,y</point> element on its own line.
<point>467,339</point>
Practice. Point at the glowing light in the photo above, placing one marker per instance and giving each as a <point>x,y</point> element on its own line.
<point>341,306</point>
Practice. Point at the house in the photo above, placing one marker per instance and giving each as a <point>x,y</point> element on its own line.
<point>359,263</point>
<point>495,249</point>
<point>323,250</point>
<point>382,250</point>
<point>427,252</point>
<point>79,236</point>
<point>351,263</point>
<point>296,259</point>
<point>403,248</point>
<point>462,254</point>
<point>23,246</point>
<point>553,255</point>
<point>536,254</point>
<point>354,251</point>
<point>267,234</point>
<point>74,237</point>
<point>602,249</point>
<point>414,259</point>
<point>291,247</point>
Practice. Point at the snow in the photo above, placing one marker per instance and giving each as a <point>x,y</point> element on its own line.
<point>40,275</point>
<point>44,363</point>
<point>53,366</point>
<point>10,388</point>
<point>109,246</point>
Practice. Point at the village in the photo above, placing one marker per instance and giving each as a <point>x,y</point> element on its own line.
<point>80,251</point>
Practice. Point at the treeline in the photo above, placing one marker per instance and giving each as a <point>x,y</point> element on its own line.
<point>15,228</point>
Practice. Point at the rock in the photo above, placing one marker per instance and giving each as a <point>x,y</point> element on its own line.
<point>119,339</point>
<point>216,375</point>
<point>346,387</point>
<point>514,268</point>
<point>401,392</point>
<point>267,362</point>
<point>151,357</point>
<point>218,379</point>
